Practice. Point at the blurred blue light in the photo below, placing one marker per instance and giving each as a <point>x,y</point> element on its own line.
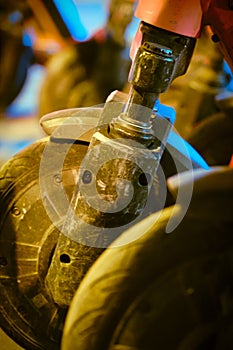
<point>131,30</point>
<point>227,70</point>
<point>175,140</point>
<point>70,16</point>
<point>15,17</point>
<point>93,16</point>
<point>26,103</point>
<point>83,19</point>
<point>27,41</point>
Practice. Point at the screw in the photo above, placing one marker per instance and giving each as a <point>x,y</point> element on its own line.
<point>15,211</point>
<point>57,178</point>
<point>87,177</point>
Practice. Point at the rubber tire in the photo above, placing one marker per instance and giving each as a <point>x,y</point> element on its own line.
<point>19,179</point>
<point>19,184</point>
<point>212,138</point>
<point>121,275</point>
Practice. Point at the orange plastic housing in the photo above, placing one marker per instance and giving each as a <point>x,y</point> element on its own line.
<point>219,16</point>
<point>187,17</point>
<point>180,16</point>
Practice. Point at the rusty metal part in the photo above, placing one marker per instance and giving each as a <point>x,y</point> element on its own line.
<point>126,146</point>
<point>113,188</point>
<point>160,58</point>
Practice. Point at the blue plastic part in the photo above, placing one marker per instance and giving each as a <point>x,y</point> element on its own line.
<point>176,141</point>
<point>166,111</point>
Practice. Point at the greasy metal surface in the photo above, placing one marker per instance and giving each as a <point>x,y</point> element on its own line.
<point>27,241</point>
<point>167,44</point>
<point>114,184</point>
<point>103,208</point>
<point>113,195</point>
<point>161,57</point>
